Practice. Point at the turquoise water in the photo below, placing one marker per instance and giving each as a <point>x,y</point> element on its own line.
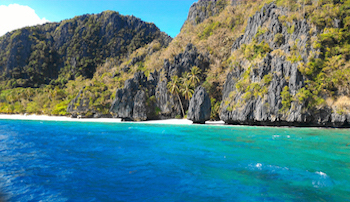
<point>67,161</point>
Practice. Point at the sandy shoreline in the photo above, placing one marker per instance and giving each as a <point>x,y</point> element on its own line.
<point>99,120</point>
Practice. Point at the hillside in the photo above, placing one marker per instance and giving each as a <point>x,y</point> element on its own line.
<point>261,62</point>
<point>39,55</point>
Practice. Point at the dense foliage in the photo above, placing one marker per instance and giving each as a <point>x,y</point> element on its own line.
<point>57,52</point>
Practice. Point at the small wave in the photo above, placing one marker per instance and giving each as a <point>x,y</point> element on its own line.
<point>322,180</point>
<point>322,174</point>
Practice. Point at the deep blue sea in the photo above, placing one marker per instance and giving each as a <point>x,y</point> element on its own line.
<point>74,161</point>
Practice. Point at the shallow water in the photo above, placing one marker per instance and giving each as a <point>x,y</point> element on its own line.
<point>67,161</point>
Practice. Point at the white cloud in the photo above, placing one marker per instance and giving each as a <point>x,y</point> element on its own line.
<point>15,16</point>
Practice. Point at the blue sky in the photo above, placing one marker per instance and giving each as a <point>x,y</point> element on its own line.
<point>168,15</point>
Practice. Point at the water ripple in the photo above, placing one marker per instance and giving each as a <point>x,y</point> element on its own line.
<point>136,162</point>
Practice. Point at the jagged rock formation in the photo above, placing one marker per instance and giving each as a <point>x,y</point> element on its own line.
<point>143,99</point>
<point>168,104</point>
<point>74,47</point>
<point>204,9</point>
<point>200,106</point>
<point>262,94</point>
<point>184,62</point>
<point>276,35</point>
<point>135,102</point>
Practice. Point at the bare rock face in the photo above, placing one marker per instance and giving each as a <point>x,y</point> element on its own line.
<point>274,78</point>
<point>130,102</point>
<point>184,62</point>
<point>149,98</point>
<point>123,104</point>
<point>168,104</point>
<point>203,9</point>
<point>200,106</point>
<point>140,110</point>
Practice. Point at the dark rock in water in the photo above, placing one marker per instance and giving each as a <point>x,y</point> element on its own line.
<point>200,107</point>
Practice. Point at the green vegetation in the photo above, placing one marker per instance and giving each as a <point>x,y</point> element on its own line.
<point>57,52</point>
<point>215,107</point>
<point>255,50</point>
<point>174,88</point>
<point>286,99</point>
<point>208,31</point>
<point>278,39</point>
<point>184,85</point>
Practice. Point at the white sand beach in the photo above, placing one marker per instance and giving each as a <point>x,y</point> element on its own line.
<point>99,120</point>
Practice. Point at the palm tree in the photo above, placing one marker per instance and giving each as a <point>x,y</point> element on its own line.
<point>173,87</point>
<point>186,89</point>
<point>193,76</point>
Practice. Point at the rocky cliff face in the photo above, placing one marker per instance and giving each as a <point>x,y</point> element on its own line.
<point>203,9</point>
<point>72,47</point>
<point>135,102</point>
<point>144,99</point>
<point>200,106</point>
<point>184,62</point>
<point>259,91</point>
<point>168,104</point>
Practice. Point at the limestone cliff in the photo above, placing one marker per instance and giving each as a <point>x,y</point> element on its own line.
<point>266,89</point>
<point>144,99</point>
<point>204,9</point>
